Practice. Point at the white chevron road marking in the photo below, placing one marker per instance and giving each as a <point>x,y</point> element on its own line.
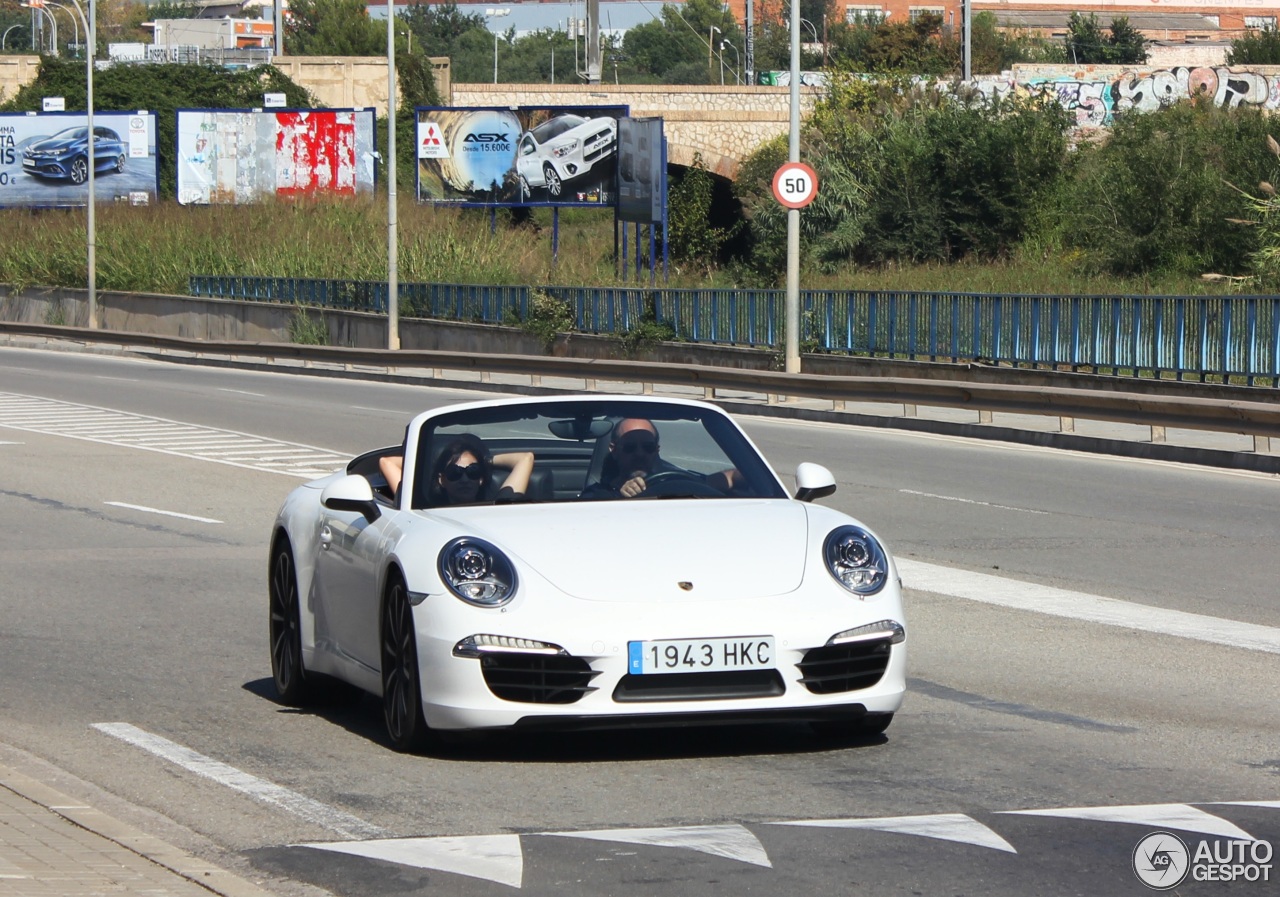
<point>943,826</point>
<point>731,841</point>
<point>495,858</point>
<point>1176,816</point>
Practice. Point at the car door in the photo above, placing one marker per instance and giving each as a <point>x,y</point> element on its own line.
<point>346,585</point>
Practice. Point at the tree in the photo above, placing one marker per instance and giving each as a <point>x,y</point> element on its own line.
<point>1256,48</point>
<point>1086,44</point>
<point>436,29</point>
<point>332,28</point>
<point>687,34</point>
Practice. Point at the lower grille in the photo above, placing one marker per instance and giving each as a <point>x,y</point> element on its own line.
<point>537,678</point>
<point>833,669</point>
<point>699,686</point>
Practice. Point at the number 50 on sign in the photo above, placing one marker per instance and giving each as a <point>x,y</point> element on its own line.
<point>795,185</point>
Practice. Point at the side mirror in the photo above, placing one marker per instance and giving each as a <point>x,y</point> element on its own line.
<point>351,493</point>
<point>813,481</point>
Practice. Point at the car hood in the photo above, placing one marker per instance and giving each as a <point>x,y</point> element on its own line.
<point>651,550</point>
<point>53,146</point>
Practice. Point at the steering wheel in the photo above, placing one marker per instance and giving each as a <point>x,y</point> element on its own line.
<point>678,482</point>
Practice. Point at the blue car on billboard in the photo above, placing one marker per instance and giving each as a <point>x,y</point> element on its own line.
<point>65,155</point>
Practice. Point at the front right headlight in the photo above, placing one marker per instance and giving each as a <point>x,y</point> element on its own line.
<point>477,572</point>
<point>856,560</point>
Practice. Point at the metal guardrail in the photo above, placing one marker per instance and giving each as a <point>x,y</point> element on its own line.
<point>1200,337</point>
<point>1258,418</point>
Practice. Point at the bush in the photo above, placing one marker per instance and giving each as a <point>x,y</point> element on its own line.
<point>909,175</point>
<point>1158,195</point>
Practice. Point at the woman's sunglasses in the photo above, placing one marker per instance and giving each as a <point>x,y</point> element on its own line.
<point>455,472</point>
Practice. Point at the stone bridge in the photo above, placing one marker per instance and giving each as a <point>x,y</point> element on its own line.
<point>723,124</point>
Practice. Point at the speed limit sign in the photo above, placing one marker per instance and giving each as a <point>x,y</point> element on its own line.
<point>795,185</point>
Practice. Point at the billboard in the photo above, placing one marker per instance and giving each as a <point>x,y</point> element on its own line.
<point>247,155</point>
<point>641,166</point>
<point>44,158</point>
<point>524,155</point>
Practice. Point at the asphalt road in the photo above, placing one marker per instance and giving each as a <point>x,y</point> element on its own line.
<point>134,667</point>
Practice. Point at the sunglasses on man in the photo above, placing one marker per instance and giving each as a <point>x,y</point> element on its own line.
<point>455,472</point>
<point>631,448</point>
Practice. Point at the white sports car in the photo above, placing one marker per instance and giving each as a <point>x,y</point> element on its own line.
<point>652,569</point>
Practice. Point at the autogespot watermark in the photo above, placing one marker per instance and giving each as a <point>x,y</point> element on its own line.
<point>1163,861</point>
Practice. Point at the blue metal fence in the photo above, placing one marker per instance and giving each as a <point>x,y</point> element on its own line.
<point>1196,336</point>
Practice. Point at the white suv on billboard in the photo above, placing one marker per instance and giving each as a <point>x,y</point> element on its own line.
<point>562,149</point>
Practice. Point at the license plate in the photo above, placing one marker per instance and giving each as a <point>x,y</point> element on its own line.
<point>700,655</point>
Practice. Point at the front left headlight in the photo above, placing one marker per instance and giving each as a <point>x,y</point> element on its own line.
<point>477,572</point>
<point>565,149</point>
<point>856,560</point>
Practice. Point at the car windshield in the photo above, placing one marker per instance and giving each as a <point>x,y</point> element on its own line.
<point>71,134</point>
<point>582,454</point>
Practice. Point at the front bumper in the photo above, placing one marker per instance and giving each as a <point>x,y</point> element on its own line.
<point>590,686</point>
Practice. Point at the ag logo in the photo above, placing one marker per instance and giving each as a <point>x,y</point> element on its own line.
<point>1161,861</point>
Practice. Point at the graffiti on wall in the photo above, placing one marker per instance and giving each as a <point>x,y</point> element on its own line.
<point>1096,102</point>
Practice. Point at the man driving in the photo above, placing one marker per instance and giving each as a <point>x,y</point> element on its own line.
<point>634,458</point>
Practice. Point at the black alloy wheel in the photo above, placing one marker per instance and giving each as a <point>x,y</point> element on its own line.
<point>285,629</point>
<point>401,692</point>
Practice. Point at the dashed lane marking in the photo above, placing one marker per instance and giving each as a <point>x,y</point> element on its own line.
<point>154,434</point>
<point>145,509</point>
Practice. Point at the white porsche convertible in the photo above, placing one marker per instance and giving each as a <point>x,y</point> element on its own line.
<point>648,567</point>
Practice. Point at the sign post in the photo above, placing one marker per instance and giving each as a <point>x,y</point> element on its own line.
<point>794,186</point>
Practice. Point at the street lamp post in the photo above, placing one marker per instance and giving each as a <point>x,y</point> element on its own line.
<point>712,31</point>
<point>496,14</point>
<point>6,35</point>
<point>393,266</point>
<point>74,24</point>
<point>737,72</point>
<point>39,7</point>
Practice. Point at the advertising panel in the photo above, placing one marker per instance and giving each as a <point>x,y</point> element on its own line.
<point>641,166</point>
<point>44,159</point>
<point>526,155</point>
<point>243,155</point>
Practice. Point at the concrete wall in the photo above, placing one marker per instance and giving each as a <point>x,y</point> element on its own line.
<point>16,72</point>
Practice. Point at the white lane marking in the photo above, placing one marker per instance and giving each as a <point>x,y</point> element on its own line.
<point>117,379</point>
<point>970,501</point>
<point>731,841</point>
<point>10,443</point>
<point>1180,816</point>
<point>943,826</point>
<point>121,504</point>
<point>92,424</point>
<point>335,820</point>
<point>1030,596</point>
<point>242,392</point>
<point>495,858</point>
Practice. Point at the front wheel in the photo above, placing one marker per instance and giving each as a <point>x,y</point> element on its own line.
<point>286,629</point>
<point>401,691</point>
<point>555,186</point>
<point>120,163</point>
<point>79,170</point>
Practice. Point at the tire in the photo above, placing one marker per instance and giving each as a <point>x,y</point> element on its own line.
<point>286,628</point>
<point>79,170</point>
<point>120,163</point>
<point>867,726</point>
<point>555,186</point>
<point>401,690</point>
<point>525,190</point>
